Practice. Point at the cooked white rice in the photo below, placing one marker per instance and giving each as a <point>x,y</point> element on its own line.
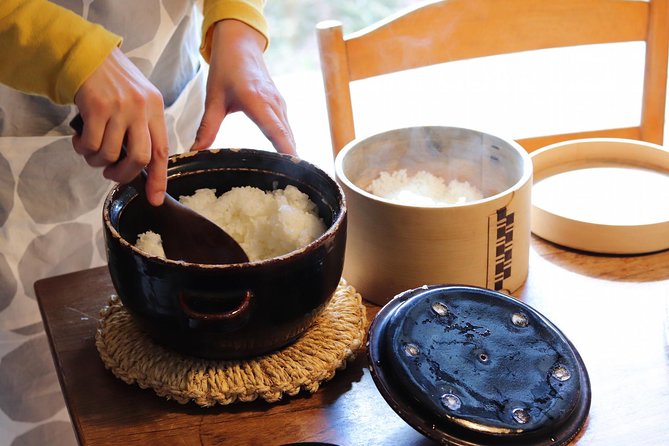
<point>265,224</point>
<point>422,189</point>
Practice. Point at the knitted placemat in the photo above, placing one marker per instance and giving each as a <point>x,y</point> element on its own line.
<point>135,358</point>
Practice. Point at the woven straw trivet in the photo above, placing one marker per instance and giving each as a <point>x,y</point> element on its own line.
<point>325,347</point>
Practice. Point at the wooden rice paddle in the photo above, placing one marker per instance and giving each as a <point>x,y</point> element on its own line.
<point>186,234</point>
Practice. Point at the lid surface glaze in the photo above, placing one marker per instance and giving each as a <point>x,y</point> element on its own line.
<point>466,365</point>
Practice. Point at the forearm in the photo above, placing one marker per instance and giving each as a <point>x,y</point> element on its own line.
<point>48,50</point>
<point>239,80</point>
<point>249,12</point>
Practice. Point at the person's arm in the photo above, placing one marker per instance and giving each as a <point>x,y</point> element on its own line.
<point>118,102</point>
<point>249,12</point>
<point>48,50</point>
<point>234,39</point>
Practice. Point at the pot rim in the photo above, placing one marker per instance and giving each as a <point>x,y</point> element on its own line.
<point>329,233</point>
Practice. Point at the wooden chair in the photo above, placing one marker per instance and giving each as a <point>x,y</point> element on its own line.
<point>466,29</point>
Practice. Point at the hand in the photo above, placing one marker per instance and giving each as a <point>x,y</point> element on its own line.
<point>239,81</point>
<point>118,102</point>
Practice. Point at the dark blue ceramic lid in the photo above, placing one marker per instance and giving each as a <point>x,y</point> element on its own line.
<point>466,365</point>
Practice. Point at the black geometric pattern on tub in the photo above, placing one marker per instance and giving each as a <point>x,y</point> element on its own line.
<point>503,247</point>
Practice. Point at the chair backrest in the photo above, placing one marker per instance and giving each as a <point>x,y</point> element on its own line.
<point>466,29</point>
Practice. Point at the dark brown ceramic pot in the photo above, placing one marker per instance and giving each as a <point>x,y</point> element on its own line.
<point>227,311</point>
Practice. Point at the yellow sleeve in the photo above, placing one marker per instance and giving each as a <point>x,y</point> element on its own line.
<point>48,50</point>
<point>247,11</point>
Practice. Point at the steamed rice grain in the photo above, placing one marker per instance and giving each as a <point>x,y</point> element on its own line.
<point>265,223</point>
<point>422,189</point>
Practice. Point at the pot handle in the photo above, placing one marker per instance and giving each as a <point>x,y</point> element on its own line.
<point>234,318</point>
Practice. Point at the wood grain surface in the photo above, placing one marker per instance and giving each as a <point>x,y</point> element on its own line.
<point>613,309</point>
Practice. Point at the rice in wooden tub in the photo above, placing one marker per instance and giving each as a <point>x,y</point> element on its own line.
<point>395,246</point>
<point>266,224</point>
<point>422,189</point>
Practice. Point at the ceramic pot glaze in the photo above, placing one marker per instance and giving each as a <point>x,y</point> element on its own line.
<point>236,310</point>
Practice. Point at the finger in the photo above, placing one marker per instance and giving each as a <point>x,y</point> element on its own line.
<point>156,183</point>
<point>214,113</point>
<point>138,155</point>
<point>282,115</point>
<point>282,138</point>
<point>90,140</point>
<point>283,119</point>
<point>110,147</point>
<point>275,127</point>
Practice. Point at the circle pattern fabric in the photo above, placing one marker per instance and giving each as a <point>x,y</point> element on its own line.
<point>51,201</point>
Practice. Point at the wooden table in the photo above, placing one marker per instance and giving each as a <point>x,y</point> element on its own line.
<point>612,308</point>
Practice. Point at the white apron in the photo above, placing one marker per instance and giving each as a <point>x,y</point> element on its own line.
<point>51,201</point>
